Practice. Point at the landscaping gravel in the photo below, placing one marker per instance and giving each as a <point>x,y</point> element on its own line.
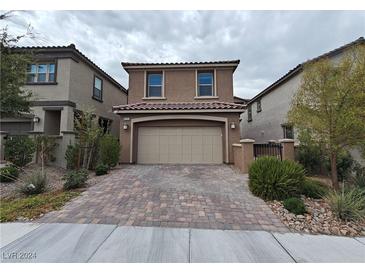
<point>319,219</point>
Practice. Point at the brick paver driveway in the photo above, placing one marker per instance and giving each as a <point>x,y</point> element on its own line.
<point>196,196</point>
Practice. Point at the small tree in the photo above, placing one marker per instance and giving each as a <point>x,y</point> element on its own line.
<point>331,103</point>
<point>14,99</point>
<point>88,133</point>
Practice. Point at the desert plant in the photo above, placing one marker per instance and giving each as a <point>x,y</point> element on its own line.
<point>294,205</point>
<point>75,179</point>
<point>272,179</point>
<point>313,189</point>
<point>72,156</point>
<point>8,174</point>
<point>109,150</point>
<point>348,204</point>
<point>19,150</point>
<point>34,183</point>
<point>101,169</point>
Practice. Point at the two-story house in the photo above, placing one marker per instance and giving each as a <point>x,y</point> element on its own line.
<point>63,81</point>
<point>179,113</point>
<point>266,116</point>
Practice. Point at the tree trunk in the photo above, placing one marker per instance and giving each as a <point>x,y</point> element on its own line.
<point>334,176</point>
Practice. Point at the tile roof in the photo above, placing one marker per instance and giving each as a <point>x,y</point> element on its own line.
<point>71,48</point>
<point>181,63</point>
<point>299,68</point>
<point>179,106</point>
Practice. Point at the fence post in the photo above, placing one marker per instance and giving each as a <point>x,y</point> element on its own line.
<point>3,134</point>
<point>287,149</point>
<point>248,155</point>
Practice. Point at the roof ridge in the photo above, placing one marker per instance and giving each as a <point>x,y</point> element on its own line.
<point>298,67</point>
<point>73,47</point>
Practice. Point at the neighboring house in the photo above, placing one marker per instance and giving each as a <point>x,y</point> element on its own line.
<point>63,82</point>
<point>239,100</point>
<point>266,116</point>
<point>179,113</point>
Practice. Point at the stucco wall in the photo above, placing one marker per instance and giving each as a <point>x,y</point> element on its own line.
<point>266,125</point>
<point>81,91</point>
<point>180,85</point>
<point>59,91</point>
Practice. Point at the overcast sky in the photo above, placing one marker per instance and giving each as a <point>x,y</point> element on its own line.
<point>268,43</point>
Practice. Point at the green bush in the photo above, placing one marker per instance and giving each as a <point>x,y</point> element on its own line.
<point>294,205</point>
<point>101,169</point>
<point>272,179</point>
<point>349,204</point>
<point>35,183</point>
<point>8,174</point>
<point>313,189</point>
<point>19,150</point>
<point>358,177</point>
<point>71,156</point>
<point>109,150</point>
<point>75,179</point>
<point>345,163</point>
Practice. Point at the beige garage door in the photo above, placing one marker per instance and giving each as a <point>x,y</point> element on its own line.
<point>180,145</point>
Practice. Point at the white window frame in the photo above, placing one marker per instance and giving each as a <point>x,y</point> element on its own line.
<point>214,84</point>
<point>37,73</point>
<point>146,85</point>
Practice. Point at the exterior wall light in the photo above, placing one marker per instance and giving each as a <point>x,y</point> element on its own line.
<point>36,119</point>
<point>233,125</point>
<point>125,126</point>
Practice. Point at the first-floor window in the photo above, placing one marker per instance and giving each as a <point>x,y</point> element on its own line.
<point>41,73</point>
<point>288,132</point>
<point>98,88</point>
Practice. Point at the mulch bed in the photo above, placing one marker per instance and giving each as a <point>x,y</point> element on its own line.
<point>319,219</point>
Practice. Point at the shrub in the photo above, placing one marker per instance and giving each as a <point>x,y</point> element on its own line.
<point>19,150</point>
<point>313,189</point>
<point>71,156</point>
<point>272,179</point>
<point>345,163</point>
<point>101,169</point>
<point>8,174</point>
<point>109,150</point>
<point>35,183</point>
<point>358,177</point>
<point>294,205</point>
<point>75,179</point>
<point>348,205</point>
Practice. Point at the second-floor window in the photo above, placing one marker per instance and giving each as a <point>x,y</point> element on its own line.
<point>41,73</point>
<point>154,84</point>
<point>249,113</point>
<point>258,105</point>
<point>205,84</point>
<point>98,89</point>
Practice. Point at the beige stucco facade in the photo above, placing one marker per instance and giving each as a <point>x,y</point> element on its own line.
<point>179,85</point>
<point>54,103</point>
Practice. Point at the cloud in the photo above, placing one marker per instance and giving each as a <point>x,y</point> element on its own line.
<point>268,43</point>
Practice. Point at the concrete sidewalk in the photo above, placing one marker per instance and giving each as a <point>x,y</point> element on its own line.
<point>26,242</point>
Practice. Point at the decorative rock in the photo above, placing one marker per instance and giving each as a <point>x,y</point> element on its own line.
<point>319,219</point>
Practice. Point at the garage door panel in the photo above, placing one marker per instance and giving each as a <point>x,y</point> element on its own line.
<point>179,145</point>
